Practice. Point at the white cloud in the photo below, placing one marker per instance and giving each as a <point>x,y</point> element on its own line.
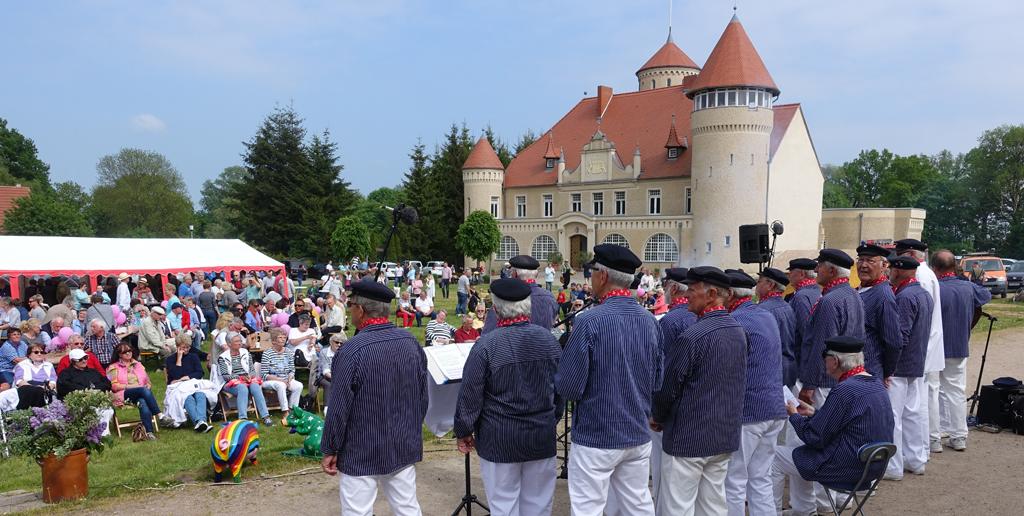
<point>148,123</point>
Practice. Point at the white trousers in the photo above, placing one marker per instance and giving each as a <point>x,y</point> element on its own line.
<point>595,474</point>
<point>359,493</point>
<point>655,467</point>
<point>526,488</point>
<point>933,431</point>
<point>287,394</point>
<point>910,431</point>
<point>953,397</point>
<point>693,485</point>
<point>800,490</point>
<point>749,477</point>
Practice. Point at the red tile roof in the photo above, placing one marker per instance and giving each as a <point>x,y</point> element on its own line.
<point>673,138</point>
<point>733,62</point>
<point>669,55</point>
<point>9,194</point>
<point>483,156</point>
<point>549,153</point>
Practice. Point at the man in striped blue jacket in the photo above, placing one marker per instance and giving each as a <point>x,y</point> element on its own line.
<point>764,411</point>
<point>507,408</point>
<point>544,309</point>
<point>699,407</point>
<point>881,320</point>
<point>770,285</point>
<point>373,433</point>
<point>611,444</point>
<point>806,292</point>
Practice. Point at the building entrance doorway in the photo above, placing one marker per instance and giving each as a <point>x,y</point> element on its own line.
<point>577,244</point>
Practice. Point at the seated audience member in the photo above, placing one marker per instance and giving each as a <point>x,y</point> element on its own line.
<point>130,383</point>
<point>78,342</point>
<point>479,316</point>
<point>326,359</point>
<point>80,375</point>
<point>79,325</point>
<point>100,310</point>
<point>439,329</point>
<point>35,308</point>
<point>299,309</point>
<point>34,378</point>
<point>101,342</point>
<point>466,332</point>
<point>143,293</point>
<point>334,318</point>
<point>277,368</point>
<point>11,352</point>
<point>188,393</point>
<point>254,318</point>
<point>406,310</point>
<point>424,307</point>
<point>856,412</point>
<point>237,370</point>
<point>32,333</point>
<point>155,335</point>
<point>302,343</point>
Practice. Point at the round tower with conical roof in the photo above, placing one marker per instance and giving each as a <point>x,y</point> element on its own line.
<point>482,179</point>
<point>667,67</point>
<point>731,125</point>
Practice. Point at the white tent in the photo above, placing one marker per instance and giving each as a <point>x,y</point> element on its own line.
<point>51,256</point>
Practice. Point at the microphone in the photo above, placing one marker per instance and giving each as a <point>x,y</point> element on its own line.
<point>404,213</point>
<point>777,227</point>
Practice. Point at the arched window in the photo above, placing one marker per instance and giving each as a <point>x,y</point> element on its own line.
<point>617,239</point>
<point>507,248</point>
<point>661,248</point>
<point>543,245</point>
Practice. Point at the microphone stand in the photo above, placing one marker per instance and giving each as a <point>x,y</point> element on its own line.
<point>974,397</point>
<point>564,436</point>
<point>396,216</point>
<point>469,498</point>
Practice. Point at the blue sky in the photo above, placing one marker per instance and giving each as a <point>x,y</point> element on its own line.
<point>193,80</point>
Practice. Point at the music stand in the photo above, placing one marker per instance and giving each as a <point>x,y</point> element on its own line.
<point>469,498</point>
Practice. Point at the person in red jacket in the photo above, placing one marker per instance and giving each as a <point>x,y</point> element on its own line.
<point>77,342</point>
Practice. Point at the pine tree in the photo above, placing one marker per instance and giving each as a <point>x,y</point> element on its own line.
<point>445,210</point>
<point>417,194</point>
<point>504,154</point>
<point>328,196</point>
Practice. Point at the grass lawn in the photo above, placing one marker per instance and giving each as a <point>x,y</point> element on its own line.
<point>179,455</point>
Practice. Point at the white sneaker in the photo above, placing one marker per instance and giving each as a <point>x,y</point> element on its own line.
<point>893,477</point>
<point>935,446</point>
<point>958,443</point>
<point>792,512</point>
<point>918,471</point>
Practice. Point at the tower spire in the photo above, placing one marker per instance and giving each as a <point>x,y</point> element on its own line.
<point>669,21</point>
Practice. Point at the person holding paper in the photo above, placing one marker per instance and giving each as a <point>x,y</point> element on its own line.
<point>508,409</point>
<point>373,431</point>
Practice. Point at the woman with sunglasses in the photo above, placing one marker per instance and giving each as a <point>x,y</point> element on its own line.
<point>34,378</point>
<point>130,383</point>
<point>236,368</point>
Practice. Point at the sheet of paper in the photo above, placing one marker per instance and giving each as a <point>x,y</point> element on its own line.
<point>790,399</point>
<point>448,360</point>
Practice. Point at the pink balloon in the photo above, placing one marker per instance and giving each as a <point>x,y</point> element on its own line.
<point>120,319</point>
<point>116,309</point>
<point>287,329</point>
<point>163,304</point>
<point>57,343</point>
<point>65,333</point>
<point>282,319</point>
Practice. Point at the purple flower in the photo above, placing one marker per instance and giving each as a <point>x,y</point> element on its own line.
<point>95,434</point>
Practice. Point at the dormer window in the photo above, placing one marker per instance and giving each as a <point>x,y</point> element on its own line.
<point>673,152</point>
<point>549,163</point>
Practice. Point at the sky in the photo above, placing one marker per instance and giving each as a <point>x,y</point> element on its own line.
<point>194,80</point>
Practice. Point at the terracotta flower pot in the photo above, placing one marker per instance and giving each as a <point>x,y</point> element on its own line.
<point>65,478</point>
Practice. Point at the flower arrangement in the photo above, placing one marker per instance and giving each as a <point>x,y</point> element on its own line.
<point>62,427</point>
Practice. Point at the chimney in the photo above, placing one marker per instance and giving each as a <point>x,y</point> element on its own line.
<point>604,97</point>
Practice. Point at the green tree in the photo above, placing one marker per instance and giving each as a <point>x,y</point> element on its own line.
<point>370,211</point>
<point>219,203</point>
<point>140,192</point>
<point>997,177</point>
<point>525,141</point>
<point>350,238</point>
<point>504,154</point>
<point>478,237</point>
<point>328,195</point>
<point>20,159</point>
<point>444,211</point>
<point>60,212</point>
<point>416,188</point>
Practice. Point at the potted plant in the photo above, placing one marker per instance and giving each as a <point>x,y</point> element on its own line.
<point>60,438</point>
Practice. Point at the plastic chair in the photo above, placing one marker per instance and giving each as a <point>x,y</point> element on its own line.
<point>877,454</point>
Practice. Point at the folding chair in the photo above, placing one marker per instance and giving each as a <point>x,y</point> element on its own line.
<point>118,424</point>
<point>225,399</point>
<point>871,454</point>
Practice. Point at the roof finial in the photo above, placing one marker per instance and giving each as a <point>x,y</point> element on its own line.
<point>669,21</point>
<point>734,16</point>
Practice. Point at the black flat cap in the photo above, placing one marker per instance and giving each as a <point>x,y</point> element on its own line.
<point>740,279</point>
<point>676,274</point>
<point>872,250</point>
<point>177,305</point>
<point>510,289</point>
<point>616,257</point>
<point>835,257</point>
<point>775,275</point>
<point>370,289</point>
<point>911,243</point>
<point>905,263</point>
<point>524,262</point>
<point>806,264</point>
<point>844,344</point>
<point>707,274</point>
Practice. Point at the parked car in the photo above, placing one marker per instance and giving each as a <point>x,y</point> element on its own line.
<point>1015,277</point>
<point>390,269</point>
<point>415,264</point>
<point>435,268</point>
<point>993,272</point>
<point>1007,263</point>
<point>292,266</point>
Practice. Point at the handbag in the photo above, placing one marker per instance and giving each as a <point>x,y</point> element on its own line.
<point>138,433</point>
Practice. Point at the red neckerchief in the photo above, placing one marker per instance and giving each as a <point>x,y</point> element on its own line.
<point>620,292</point>
<point>531,281</point>
<point>856,370</point>
<point>947,275</point>
<point>832,284</point>
<point>372,321</point>
<point>881,279</point>
<point>904,283</point>
<point>769,296</point>
<point>678,301</point>
<point>710,309</point>
<point>735,304</point>
<point>804,283</point>
<point>515,320</point>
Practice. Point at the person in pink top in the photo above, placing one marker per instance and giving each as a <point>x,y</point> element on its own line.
<point>129,381</point>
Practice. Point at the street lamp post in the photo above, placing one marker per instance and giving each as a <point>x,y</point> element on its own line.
<point>191,231</point>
